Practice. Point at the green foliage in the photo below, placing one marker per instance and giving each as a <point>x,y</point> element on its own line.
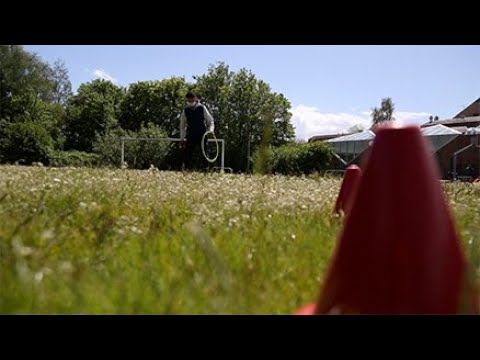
<point>73,159</point>
<point>301,158</point>
<point>24,142</point>
<point>62,87</point>
<point>138,154</point>
<point>24,80</point>
<point>32,91</point>
<point>49,116</point>
<point>93,111</point>
<point>155,102</point>
<point>107,147</point>
<point>30,104</point>
<point>355,129</point>
<point>384,113</point>
<point>238,102</point>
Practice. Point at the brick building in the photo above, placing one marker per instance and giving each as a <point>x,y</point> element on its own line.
<point>455,144</point>
<point>465,146</point>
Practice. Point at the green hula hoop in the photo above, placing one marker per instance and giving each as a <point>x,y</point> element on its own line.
<point>212,160</point>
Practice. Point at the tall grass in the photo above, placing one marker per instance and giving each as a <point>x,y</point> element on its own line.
<point>95,241</point>
<point>116,241</point>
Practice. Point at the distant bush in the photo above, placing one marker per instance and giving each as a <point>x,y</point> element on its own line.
<point>138,154</point>
<point>24,142</point>
<point>297,159</point>
<point>73,158</point>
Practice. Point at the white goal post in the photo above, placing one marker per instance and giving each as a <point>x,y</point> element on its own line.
<point>125,138</point>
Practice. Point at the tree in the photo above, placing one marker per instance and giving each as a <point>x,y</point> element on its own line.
<point>30,117</point>
<point>25,142</point>
<point>241,104</point>
<point>384,113</point>
<point>62,87</point>
<point>355,129</point>
<point>93,111</point>
<point>155,102</point>
<point>138,154</point>
<point>24,80</point>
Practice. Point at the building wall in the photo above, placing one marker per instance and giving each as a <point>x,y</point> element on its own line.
<point>470,156</point>
<point>444,158</point>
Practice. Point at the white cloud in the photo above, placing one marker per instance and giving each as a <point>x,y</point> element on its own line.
<point>102,74</point>
<point>406,117</point>
<point>310,121</point>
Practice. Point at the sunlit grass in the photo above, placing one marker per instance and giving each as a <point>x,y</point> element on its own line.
<point>149,242</point>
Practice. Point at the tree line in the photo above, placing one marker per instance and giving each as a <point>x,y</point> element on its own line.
<point>42,120</point>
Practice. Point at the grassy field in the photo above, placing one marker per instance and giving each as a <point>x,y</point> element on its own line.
<point>83,241</point>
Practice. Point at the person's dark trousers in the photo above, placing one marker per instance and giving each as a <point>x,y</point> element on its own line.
<point>193,144</point>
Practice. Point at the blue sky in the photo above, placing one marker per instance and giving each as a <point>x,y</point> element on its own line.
<point>330,87</point>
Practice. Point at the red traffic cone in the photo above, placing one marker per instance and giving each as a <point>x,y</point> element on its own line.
<point>308,309</point>
<point>398,252</point>
<point>348,188</point>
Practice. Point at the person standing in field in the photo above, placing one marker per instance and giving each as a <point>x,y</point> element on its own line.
<point>194,123</point>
